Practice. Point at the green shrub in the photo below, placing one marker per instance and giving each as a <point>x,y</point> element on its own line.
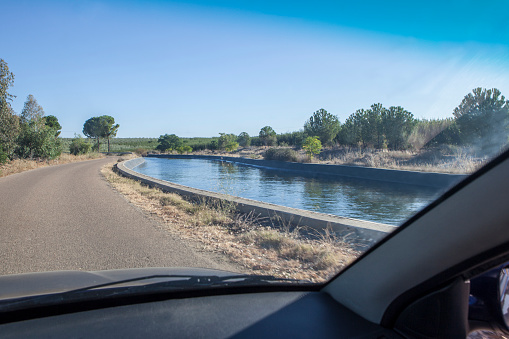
<point>244,139</point>
<point>184,149</point>
<point>312,145</point>
<point>169,142</point>
<point>291,138</point>
<point>281,154</point>
<point>267,136</point>
<point>79,146</point>
<point>227,142</point>
<point>213,145</point>
<point>3,156</point>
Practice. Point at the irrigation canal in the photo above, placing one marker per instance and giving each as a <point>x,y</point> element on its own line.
<point>372,200</point>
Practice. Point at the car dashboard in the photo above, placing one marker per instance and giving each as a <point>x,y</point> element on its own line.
<point>248,315</point>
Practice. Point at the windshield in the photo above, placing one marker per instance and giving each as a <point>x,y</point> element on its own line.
<point>285,138</point>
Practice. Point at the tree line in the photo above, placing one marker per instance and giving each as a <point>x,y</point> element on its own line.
<point>33,134</point>
<point>481,119</point>
<point>94,128</point>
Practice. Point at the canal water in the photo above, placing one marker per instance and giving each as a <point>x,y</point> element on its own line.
<point>388,203</point>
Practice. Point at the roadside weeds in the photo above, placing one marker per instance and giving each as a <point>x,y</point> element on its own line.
<point>261,246</point>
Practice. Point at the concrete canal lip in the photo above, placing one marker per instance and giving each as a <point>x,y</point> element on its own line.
<point>358,230</point>
<point>430,179</point>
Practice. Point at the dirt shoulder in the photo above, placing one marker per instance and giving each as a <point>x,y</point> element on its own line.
<point>259,246</point>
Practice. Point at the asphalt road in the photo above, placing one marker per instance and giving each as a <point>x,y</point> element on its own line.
<point>67,217</point>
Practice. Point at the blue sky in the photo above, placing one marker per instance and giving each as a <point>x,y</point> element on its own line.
<point>203,67</point>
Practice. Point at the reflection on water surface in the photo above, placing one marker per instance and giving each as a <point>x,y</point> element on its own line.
<point>388,203</point>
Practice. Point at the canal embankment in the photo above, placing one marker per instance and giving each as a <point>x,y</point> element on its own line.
<point>430,179</point>
<point>360,230</point>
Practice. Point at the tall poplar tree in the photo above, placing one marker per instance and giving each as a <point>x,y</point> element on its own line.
<point>9,121</point>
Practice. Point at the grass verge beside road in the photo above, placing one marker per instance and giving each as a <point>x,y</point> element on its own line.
<point>21,165</point>
<point>262,246</point>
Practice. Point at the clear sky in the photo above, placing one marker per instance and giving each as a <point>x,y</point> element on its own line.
<point>197,68</point>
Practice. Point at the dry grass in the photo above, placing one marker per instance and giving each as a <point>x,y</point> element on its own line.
<point>454,161</point>
<point>21,165</point>
<point>276,250</point>
<point>253,152</point>
<point>127,157</point>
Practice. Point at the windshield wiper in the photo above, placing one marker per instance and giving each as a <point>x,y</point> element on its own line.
<point>108,290</point>
<point>196,280</point>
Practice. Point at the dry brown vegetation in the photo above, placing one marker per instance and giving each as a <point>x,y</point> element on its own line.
<point>436,160</point>
<point>455,161</point>
<point>260,246</point>
<point>21,165</point>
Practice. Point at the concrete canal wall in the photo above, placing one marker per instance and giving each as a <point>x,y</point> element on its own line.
<point>359,230</point>
<point>430,179</point>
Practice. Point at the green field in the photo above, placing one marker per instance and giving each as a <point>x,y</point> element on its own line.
<point>131,144</point>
